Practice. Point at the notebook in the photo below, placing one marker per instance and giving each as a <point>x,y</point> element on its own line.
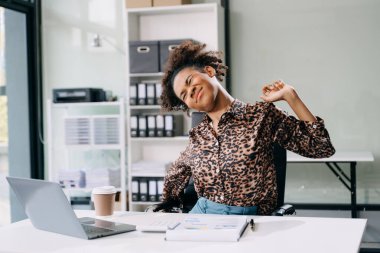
<point>48,209</point>
<point>209,228</point>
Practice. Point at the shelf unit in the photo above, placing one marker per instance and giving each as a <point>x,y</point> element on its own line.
<point>107,118</point>
<point>201,22</point>
<point>159,74</point>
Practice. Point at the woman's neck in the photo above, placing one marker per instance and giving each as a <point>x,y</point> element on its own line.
<point>222,103</point>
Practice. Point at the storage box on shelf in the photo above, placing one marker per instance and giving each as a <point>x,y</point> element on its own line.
<point>138,3</point>
<point>168,26</point>
<point>144,57</point>
<point>165,47</point>
<point>170,2</point>
<point>86,147</point>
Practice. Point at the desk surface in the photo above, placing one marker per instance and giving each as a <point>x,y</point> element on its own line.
<point>339,156</point>
<point>272,234</point>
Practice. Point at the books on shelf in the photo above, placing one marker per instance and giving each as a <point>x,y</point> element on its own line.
<point>155,125</point>
<point>145,93</point>
<point>209,228</point>
<point>148,180</point>
<point>147,189</point>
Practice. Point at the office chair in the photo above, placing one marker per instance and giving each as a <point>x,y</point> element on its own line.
<point>190,196</point>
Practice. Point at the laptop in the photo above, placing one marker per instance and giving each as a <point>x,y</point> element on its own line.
<point>48,209</point>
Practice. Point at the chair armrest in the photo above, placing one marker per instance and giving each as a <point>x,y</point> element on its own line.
<point>284,210</point>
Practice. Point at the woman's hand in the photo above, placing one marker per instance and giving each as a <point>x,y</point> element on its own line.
<point>277,91</point>
<point>280,91</point>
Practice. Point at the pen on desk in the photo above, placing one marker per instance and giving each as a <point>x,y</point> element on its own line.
<point>252,224</point>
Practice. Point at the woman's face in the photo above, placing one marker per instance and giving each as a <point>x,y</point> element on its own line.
<point>196,89</point>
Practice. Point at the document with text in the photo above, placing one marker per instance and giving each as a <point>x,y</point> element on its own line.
<point>208,228</point>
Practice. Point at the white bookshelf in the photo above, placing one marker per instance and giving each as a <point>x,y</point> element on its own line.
<point>161,139</point>
<point>145,107</point>
<point>201,22</point>
<point>64,156</point>
<point>158,74</point>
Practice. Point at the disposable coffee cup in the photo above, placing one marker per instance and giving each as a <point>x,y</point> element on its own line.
<point>104,200</point>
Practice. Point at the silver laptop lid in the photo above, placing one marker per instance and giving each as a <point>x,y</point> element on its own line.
<point>47,206</point>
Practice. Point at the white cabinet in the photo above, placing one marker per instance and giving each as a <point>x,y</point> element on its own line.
<point>86,147</point>
<point>201,22</point>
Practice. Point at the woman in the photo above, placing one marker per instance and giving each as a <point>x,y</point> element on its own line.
<point>230,153</point>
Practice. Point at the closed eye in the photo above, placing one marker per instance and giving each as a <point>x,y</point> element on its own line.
<point>187,83</point>
<point>184,96</point>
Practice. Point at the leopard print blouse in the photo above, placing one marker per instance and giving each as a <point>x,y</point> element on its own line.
<point>236,166</point>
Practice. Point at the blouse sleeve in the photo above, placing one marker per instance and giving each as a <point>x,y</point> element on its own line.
<point>306,138</point>
<point>177,177</point>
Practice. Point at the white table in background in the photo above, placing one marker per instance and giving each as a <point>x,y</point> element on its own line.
<point>272,234</point>
<point>333,163</point>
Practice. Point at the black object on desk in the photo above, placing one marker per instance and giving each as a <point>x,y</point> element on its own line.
<point>252,224</point>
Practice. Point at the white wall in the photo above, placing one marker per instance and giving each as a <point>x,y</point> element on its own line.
<point>69,58</point>
<point>329,51</point>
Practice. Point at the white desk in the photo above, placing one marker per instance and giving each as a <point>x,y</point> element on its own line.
<point>333,163</point>
<point>272,234</point>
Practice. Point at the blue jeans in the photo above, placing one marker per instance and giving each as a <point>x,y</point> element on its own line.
<point>206,206</point>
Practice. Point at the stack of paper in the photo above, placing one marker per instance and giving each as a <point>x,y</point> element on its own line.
<point>149,168</point>
<point>102,177</point>
<point>71,178</point>
<point>209,228</point>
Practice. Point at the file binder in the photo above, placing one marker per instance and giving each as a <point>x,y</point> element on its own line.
<point>152,189</point>
<point>141,93</point>
<point>142,126</point>
<point>158,92</point>
<point>160,188</point>
<point>150,93</point>
<point>133,94</point>
<point>135,189</point>
<point>169,125</point>
<point>151,125</point>
<point>134,126</point>
<point>160,126</point>
<point>143,190</point>
<point>173,125</point>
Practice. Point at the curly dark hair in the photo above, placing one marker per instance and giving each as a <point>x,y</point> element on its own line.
<point>188,54</point>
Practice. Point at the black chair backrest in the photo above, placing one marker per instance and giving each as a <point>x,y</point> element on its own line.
<point>196,118</point>
<point>190,196</point>
<point>279,153</point>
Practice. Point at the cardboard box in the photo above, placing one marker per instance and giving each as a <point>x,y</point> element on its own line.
<point>170,2</point>
<point>138,3</point>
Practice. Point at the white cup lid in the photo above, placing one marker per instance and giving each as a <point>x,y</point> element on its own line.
<point>104,190</point>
